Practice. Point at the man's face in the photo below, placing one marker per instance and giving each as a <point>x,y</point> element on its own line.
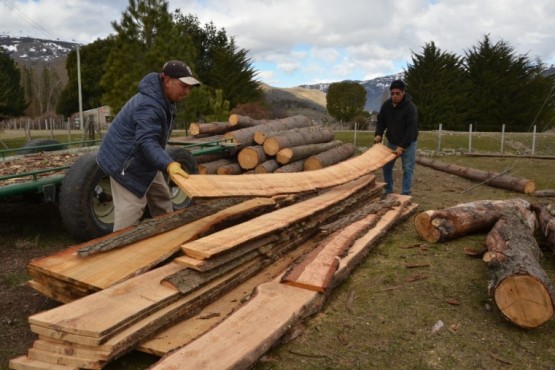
<point>175,90</point>
<point>396,96</point>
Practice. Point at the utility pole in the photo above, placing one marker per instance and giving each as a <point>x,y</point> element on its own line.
<point>81,121</point>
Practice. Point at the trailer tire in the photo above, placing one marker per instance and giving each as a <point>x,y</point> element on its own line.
<point>179,198</point>
<point>86,197</point>
<point>85,200</point>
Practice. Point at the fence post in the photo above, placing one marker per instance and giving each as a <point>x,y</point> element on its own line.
<point>502,137</point>
<point>439,139</point>
<point>470,138</point>
<point>355,135</point>
<point>534,140</point>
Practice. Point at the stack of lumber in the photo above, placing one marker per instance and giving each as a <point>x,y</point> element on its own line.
<point>132,292</point>
<point>291,144</point>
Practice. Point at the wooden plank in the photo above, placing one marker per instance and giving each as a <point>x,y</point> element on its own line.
<point>221,241</point>
<point>102,314</point>
<point>244,336</point>
<point>281,183</point>
<point>60,359</point>
<point>69,349</point>
<point>317,269</point>
<point>187,330</point>
<point>103,270</point>
<point>25,363</point>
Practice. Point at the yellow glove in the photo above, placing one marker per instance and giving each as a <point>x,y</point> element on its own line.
<point>174,169</point>
<point>399,151</point>
<point>377,139</point>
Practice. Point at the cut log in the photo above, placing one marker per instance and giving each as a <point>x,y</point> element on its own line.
<point>212,128</point>
<point>267,167</point>
<point>211,168</point>
<point>329,157</point>
<point>297,166</point>
<point>286,183</point>
<point>251,156</point>
<point>544,193</point>
<point>245,136</point>
<point>494,179</point>
<point>229,169</point>
<point>463,219</point>
<point>521,289</point>
<point>295,137</point>
<point>546,219</point>
<point>292,154</point>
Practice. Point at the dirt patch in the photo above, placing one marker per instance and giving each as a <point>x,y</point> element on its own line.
<point>381,317</point>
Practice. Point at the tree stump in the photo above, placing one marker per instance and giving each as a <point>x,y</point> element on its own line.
<point>521,289</point>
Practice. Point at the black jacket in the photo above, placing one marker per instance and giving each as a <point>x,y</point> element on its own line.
<point>399,123</point>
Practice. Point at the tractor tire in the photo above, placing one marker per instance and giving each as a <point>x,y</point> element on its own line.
<point>35,146</point>
<point>86,200</point>
<point>86,197</point>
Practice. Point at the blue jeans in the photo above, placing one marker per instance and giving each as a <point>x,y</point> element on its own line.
<point>408,159</point>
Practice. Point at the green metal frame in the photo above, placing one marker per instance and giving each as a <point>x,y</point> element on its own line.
<point>38,185</point>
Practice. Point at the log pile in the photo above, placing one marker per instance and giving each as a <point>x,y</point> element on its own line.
<point>521,289</point>
<point>125,303</point>
<point>266,146</point>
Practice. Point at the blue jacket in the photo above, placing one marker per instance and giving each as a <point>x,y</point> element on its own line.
<point>400,123</point>
<point>133,149</point>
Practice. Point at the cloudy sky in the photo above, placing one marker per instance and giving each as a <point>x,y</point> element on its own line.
<point>293,42</point>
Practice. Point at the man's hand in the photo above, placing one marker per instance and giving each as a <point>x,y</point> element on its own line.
<point>174,169</point>
<point>399,151</point>
<point>377,139</point>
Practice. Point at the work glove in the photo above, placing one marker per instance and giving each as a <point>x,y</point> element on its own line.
<point>399,151</point>
<point>174,169</point>
<point>377,139</point>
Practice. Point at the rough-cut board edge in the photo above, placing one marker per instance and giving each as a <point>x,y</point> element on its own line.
<point>280,183</point>
<point>219,242</point>
<point>25,363</point>
<point>142,250</point>
<point>281,303</point>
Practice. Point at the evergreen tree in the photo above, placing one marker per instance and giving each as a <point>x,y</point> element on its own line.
<point>12,95</point>
<point>92,59</point>
<point>506,88</point>
<point>345,100</point>
<point>146,38</point>
<point>438,86</point>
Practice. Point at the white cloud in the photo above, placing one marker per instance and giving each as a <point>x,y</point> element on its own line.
<point>305,41</point>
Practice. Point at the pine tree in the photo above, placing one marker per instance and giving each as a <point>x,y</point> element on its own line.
<point>506,88</point>
<point>345,100</point>
<point>437,84</point>
<point>12,95</point>
<point>146,38</point>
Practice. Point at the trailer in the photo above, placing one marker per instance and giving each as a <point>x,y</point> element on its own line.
<point>80,188</point>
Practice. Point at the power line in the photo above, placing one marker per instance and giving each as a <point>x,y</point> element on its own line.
<point>27,19</point>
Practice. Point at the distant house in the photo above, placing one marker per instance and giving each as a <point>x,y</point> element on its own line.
<point>101,116</point>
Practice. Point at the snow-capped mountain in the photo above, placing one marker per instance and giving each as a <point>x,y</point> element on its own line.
<point>30,51</point>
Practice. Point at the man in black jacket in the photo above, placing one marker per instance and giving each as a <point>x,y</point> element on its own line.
<point>398,118</point>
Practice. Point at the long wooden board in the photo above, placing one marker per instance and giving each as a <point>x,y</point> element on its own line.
<point>103,270</point>
<point>270,184</point>
<point>220,242</point>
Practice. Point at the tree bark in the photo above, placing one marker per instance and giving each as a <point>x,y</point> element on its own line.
<point>521,289</point>
<point>546,219</point>
<point>212,128</point>
<point>302,136</point>
<point>329,157</point>
<point>229,169</point>
<point>463,219</point>
<point>544,193</point>
<point>267,167</point>
<point>295,153</point>
<point>297,166</point>
<point>490,178</point>
<point>211,168</point>
<point>251,156</point>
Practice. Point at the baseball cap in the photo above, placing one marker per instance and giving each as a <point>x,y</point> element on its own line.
<point>178,69</point>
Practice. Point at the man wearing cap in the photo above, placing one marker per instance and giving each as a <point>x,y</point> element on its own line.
<point>133,150</point>
<point>398,118</point>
